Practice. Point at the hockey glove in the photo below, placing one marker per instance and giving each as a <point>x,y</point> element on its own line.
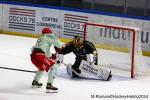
<point>94,55</point>
<point>53,57</point>
<point>59,59</point>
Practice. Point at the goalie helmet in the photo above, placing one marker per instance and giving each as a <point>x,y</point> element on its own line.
<point>46,31</point>
<point>78,42</point>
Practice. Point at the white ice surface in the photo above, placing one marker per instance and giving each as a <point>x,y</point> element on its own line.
<point>16,85</point>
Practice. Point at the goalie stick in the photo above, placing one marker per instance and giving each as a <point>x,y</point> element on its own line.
<point>18,69</point>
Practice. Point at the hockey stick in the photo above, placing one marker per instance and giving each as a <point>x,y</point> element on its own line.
<point>18,69</point>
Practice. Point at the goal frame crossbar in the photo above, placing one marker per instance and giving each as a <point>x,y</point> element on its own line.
<point>117,27</point>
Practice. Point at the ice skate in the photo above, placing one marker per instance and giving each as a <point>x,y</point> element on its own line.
<point>36,84</point>
<point>51,89</point>
<point>73,75</point>
<point>70,71</point>
<point>109,77</point>
<point>76,70</point>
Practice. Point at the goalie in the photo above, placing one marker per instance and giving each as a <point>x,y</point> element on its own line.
<point>86,59</point>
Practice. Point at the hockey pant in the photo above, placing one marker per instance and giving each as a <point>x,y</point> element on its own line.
<point>41,61</point>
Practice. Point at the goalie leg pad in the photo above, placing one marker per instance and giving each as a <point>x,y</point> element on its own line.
<point>94,71</point>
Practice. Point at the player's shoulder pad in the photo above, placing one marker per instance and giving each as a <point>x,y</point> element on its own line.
<point>69,43</point>
<point>89,43</point>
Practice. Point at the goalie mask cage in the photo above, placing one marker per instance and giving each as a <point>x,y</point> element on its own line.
<point>118,38</point>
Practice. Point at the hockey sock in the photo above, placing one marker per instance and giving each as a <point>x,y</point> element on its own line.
<point>52,74</point>
<point>38,75</point>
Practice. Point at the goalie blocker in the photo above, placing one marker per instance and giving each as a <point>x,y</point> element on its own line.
<point>91,71</point>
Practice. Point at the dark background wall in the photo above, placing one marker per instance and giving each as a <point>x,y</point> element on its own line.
<point>128,7</point>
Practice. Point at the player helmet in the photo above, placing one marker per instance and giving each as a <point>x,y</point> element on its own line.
<point>46,31</point>
<point>78,42</point>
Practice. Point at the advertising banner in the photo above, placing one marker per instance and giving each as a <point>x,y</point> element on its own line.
<point>66,24</point>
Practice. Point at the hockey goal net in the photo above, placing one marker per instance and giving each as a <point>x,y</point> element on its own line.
<point>120,47</point>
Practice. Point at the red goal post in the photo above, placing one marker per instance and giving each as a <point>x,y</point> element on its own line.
<point>133,30</point>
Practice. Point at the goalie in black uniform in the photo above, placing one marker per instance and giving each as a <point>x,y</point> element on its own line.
<point>82,49</point>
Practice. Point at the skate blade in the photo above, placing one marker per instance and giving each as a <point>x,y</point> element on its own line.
<point>51,91</point>
<point>35,86</point>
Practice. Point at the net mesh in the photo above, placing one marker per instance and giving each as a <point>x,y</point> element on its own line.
<point>120,47</point>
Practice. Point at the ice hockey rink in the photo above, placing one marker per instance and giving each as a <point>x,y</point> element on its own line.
<point>16,85</point>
